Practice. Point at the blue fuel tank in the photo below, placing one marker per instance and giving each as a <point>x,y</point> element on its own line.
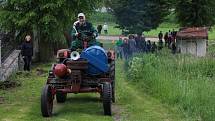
<point>97,59</point>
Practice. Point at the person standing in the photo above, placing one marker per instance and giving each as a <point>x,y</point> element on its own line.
<point>125,46</point>
<point>154,47</point>
<point>105,28</point>
<point>139,39</point>
<point>160,36</point>
<point>174,48</point>
<point>27,52</point>
<point>132,44</point>
<point>99,28</point>
<point>166,36</point>
<point>119,47</point>
<point>148,46</point>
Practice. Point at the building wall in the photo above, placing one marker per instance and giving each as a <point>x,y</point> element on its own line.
<point>194,47</point>
<point>202,48</point>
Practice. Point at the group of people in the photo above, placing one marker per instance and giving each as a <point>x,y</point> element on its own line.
<point>127,47</point>
<point>169,39</point>
<point>104,27</point>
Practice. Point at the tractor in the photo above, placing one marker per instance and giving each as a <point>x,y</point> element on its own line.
<point>85,70</point>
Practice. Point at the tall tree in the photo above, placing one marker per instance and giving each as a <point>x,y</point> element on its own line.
<point>139,15</point>
<point>195,12</point>
<point>48,19</point>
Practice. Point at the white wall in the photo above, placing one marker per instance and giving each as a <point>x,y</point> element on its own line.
<point>201,48</point>
<point>194,47</point>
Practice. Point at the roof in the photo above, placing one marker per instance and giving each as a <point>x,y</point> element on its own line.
<point>193,33</point>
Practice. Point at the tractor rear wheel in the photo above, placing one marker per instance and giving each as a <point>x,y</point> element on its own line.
<point>106,98</point>
<point>47,101</point>
<point>61,97</point>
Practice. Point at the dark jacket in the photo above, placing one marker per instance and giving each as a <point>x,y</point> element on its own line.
<point>27,49</point>
<point>87,27</point>
<point>125,48</point>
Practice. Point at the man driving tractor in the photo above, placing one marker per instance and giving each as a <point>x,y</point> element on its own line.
<point>83,33</point>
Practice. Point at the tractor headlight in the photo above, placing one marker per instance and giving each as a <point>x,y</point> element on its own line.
<point>75,55</point>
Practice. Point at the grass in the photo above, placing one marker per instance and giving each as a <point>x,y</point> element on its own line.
<point>112,30</point>
<point>177,80</point>
<point>138,106</point>
<point>164,27</point>
<point>169,24</point>
<point>107,44</point>
<point>23,103</point>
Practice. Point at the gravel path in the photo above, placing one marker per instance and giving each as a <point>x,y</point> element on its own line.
<point>154,39</point>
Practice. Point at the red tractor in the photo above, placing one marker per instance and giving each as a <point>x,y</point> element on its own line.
<point>91,70</point>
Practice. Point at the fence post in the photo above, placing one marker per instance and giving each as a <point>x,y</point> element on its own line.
<point>0,63</point>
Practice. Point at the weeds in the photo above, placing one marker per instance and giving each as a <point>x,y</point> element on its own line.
<point>180,80</point>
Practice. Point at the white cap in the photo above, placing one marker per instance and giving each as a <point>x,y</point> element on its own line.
<point>81,14</point>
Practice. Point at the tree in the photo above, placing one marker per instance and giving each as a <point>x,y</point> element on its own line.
<point>195,13</point>
<point>139,15</point>
<point>46,19</point>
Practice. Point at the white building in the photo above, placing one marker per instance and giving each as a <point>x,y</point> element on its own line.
<point>192,41</point>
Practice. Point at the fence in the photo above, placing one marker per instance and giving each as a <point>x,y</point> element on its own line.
<point>9,56</point>
<point>7,45</point>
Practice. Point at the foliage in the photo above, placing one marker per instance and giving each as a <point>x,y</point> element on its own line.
<point>49,17</point>
<point>177,80</point>
<point>45,20</point>
<point>98,17</point>
<point>139,15</point>
<point>195,12</point>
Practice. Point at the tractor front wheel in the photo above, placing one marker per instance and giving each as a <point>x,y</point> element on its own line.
<point>107,98</point>
<point>61,97</point>
<point>47,101</point>
<point>112,74</point>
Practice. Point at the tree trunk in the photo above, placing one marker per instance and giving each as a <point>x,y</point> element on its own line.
<point>68,39</point>
<point>36,37</point>
<point>46,51</point>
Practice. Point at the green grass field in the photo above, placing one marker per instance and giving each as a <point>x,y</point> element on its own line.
<point>168,24</point>
<point>178,80</point>
<point>164,27</point>
<point>112,30</point>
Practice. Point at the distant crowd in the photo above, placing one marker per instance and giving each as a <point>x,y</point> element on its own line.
<point>127,46</point>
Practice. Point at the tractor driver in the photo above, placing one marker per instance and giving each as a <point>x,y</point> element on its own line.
<point>80,27</point>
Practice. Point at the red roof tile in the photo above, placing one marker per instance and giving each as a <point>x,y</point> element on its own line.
<point>193,33</point>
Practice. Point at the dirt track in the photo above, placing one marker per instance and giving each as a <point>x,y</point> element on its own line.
<point>154,39</point>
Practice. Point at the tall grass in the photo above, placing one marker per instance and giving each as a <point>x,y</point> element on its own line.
<point>178,80</point>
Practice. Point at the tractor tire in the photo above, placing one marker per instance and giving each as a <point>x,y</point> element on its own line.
<point>113,91</point>
<point>47,101</point>
<point>61,97</point>
<point>112,74</point>
<point>106,98</point>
